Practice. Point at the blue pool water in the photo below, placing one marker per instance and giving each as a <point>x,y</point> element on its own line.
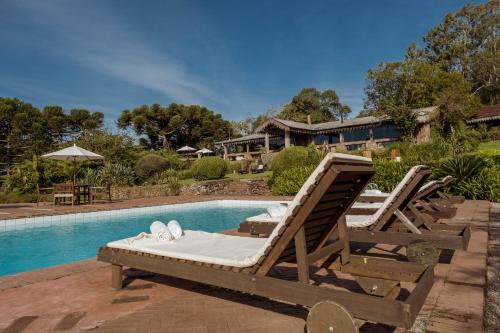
<point>32,248</point>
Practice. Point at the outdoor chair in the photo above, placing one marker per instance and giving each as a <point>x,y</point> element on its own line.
<point>63,192</point>
<point>100,193</point>
<point>245,166</point>
<point>41,191</point>
<point>390,222</point>
<point>429,199</point>
<point>313,229</point>
<point>259,167</point>
<point>435,202</point>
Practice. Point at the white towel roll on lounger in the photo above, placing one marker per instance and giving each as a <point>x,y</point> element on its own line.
<point>164,236</point>
<point>277,211</point>
<point>157,226</point>
<point>175,229</point>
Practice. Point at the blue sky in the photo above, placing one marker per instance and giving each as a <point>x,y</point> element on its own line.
<point>235,57</point>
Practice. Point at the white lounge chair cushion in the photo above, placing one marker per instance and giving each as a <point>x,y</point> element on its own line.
<point>200,246</point>
<point>367,205</point>
<point>264,217</point>
<point>213,248</point>
<point>359,221</point>
<point>373,194</point>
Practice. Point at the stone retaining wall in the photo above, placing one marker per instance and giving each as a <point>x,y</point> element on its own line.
<point>228,187</point>
<point>214,187</point>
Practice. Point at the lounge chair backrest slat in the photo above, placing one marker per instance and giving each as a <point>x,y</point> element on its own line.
<point>321,202</point>
<point>399,198</point>
<point>432,187</point>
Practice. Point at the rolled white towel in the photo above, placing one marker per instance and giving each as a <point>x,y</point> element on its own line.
<point>175,229</point>
<point>157,226</point>
<point>164,236</point>
<point>277,211</point>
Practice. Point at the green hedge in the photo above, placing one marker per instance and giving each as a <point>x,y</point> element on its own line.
<point>148,165</point>
<point>293,157</point>
<point>211,167</point>
<point>291,180</point>
<point>389,173</point>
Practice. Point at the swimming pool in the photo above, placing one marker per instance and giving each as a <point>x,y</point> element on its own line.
<point>32,243</point>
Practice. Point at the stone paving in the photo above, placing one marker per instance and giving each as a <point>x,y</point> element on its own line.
<point>77,298</point>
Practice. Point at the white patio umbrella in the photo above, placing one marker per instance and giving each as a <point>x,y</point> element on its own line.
<point>204,151</point>
<point>73,154</point>
<point>186,149</point>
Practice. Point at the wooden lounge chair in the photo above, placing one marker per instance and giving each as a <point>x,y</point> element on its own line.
<point>390,223</point>
<point>433,201</point>
<point>313,229</point>
<point>429,198</point>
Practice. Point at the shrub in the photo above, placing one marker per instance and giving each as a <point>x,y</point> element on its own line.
<point>291,180</point>
<point>117,174</point>
<point>389,173</point>
<point>173,185</point>
<point>91,176</point>
<point>53,172</point>
<point>477,176</point>
<point>461,167</point>
<point>484,186</point>
<point>184,174</point>
<point>211,167</point>
<point>161,177</point>
<point>23,178</point>
<point>148,165</point>
<point>234,166</point>
<point>174,162</point>
<point>294,156</point>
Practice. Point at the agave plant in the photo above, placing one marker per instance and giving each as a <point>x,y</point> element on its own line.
<point>461,167</point>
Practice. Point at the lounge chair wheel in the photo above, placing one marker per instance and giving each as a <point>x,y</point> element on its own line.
<point>328,316</point>
<point>422,252</point>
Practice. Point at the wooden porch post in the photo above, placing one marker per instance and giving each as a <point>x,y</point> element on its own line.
<point>248,147</point>
<point>287,138</point>
<point>267,142</point>
<point>370,134</point>
<point>341,137</point>
<point>225,151</point>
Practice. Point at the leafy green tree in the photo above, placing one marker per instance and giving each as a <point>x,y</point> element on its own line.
<point>23,131</point>
<point>56,121</point>
<point>466,42</point>
<point>396,88</point>
<point>26,132</point>
<point>80,120</point>
<point>175,125</point>
<point>321,106</point>
<point>116,148</point>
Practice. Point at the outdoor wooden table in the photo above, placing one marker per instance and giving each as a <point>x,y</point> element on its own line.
<point>82,191</point>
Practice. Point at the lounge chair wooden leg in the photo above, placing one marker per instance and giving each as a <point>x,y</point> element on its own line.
<point>346,251</point>
<point>402,217</point>
<point>116,277</point>
<point>301,253</point>
<point>329,316</point>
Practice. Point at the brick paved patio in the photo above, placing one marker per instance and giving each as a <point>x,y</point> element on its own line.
<point>77,298</point>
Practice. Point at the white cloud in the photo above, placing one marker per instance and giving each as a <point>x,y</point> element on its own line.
<point>88,34</point>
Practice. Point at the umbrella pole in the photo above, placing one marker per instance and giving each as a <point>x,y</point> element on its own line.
<point>74,171</point>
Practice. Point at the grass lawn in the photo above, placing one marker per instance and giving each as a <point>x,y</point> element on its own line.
<point>490,145</point>
<point>191,181</point>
